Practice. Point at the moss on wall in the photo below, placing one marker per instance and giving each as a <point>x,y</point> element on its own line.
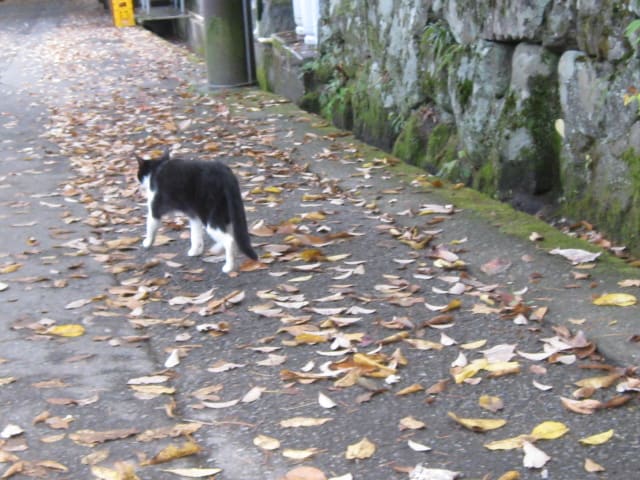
<point>410,147</point>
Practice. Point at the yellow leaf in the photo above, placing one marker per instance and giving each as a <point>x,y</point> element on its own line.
<point>276,190</point>
<point>361,450</point>
<point>478,424</point>
<point>604,381</point>
<point>416,387</point>
<point>510,475</point>
<point>69,330</point>
<point>549,430</point>
<point>597,439</point>
<point>615,300</point>
<point>12,267</point>
<point>310,338</point>
<point>508,443</point>
<point>473,345</point>
<point>174,451</point>
<point>470,370</point>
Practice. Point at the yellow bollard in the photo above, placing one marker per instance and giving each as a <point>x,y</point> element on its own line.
<point>123,15</point>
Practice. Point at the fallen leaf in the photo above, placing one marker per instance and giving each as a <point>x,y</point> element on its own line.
<point>592,467</point>
<point>304,422</point>
<point>575,255</point>
<point>533,456</point>
<point>91,438</point>
<point>361,450</point>
<point>305,473</point>
<point>615,300</point>
<point>493,404</point>
<point>68,330</point>
<point>549,430</point>
<point>325,401</point>
<point>422,473</point>
<point>266,443</point>
<point>598,439</point>
<point>478,424</point>
<point>410,423</point>
<point>585,407</point>
<point>193,472</point>
<point>417,447</point>
<point>299,454</point>
<point>173,452</point>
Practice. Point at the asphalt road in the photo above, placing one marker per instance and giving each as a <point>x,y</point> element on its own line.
<point>370,292</point>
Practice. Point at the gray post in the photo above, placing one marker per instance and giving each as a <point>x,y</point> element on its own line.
<point>228,43</point>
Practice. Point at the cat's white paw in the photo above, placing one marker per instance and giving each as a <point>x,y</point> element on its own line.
<point>147,242</point>
<point>195,251</point>
<point>227,267</point>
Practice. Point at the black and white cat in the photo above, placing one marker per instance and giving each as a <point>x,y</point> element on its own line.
<point>207,192</point>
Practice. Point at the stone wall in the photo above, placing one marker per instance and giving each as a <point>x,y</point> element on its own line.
<point>522,99</point>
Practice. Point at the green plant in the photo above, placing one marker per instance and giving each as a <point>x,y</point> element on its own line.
<point>443,44</point>
<point>631,33</point>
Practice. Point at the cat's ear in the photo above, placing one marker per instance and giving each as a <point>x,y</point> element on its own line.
<point>140,161</point>
<point>166,154</point>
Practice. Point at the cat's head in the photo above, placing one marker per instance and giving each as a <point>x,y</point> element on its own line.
<point>146,166</point>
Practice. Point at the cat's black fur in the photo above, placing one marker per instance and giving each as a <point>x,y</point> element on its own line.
<point>205,191</point>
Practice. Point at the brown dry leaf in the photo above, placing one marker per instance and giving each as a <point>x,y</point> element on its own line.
<point>53,465</point>
<point>493,404</point>
<point>361,450</point>
<point>410,423</point>
<point>173,452</point>
<point>177,430</point>
<point>592,467</point>
<point>96,457</point>
<point>585,407</point>
<point>478,424</point>
<point>92,438</point>
<point>305,473</point>
<point>304,422</point>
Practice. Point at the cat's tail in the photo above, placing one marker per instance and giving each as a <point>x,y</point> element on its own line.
<point>239,219</point>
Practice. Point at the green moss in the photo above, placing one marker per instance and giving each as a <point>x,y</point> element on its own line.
<point>310,102</point>
<point>409,146</point>
<point>442,146</point>
<point>485,180</point>
<point>464,90</point>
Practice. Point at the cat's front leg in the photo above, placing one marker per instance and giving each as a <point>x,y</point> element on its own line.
<point>197,242</point>
<point>152,227</point>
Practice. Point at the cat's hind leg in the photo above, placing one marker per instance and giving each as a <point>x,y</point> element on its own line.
<point>224,240</point>
<point>197,240</point>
